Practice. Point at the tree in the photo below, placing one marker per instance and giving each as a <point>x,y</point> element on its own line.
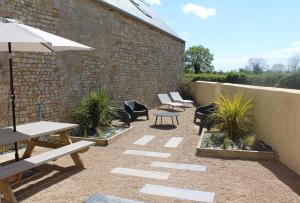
<point>244,70</point>
<point>256,65</point>
<point>199,58</point>
<point>294,63</point>
<point>279,67</point>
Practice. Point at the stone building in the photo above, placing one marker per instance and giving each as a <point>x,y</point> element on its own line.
<point>136,56</point>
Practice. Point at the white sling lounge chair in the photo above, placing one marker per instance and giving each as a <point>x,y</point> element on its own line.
<point>165,100</point>
<point>177,98</point>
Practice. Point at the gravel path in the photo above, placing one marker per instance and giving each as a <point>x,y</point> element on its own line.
<point>231,180</point>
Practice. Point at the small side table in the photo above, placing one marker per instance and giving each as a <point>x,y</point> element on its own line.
<point>166,114</point>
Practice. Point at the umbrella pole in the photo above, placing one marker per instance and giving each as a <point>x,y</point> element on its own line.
<point>12,97</point>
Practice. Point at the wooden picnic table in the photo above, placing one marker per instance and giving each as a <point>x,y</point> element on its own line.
<point>30,134</point>
<point>33,130</point>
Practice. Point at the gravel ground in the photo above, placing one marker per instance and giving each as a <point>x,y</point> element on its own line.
<point>231,180</point>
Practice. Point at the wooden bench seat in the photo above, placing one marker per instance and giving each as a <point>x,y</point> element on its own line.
<point>34,161</point>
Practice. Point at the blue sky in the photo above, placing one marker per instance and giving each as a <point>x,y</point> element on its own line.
<point>235,30</point>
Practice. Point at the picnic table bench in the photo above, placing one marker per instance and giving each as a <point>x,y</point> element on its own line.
<point>30,134</point>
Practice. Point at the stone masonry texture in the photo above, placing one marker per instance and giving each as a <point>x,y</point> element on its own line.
<point>131,60</point>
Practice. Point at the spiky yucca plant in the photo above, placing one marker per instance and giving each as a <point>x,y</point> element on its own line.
<point>234,116</point>
<point>95,111</point>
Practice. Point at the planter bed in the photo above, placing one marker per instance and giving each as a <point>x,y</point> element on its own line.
<point>233,154</point>
<point>97,140</point>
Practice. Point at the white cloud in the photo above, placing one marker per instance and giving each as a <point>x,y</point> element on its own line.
<point>296,43</point>
<point>199,10</point>
<point>153,2</point>
<point>235,61</point>
<point>281,55</point>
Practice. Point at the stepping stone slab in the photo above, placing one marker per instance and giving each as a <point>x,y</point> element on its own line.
<point>144,140</point>
<point>189,167</point>
<point>141,173</point>
<point>102,198</point>
<point>183,194</point>
<point>173,142</point>
<point>147,153</point>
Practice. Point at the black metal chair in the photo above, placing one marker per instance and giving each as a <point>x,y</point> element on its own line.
<point>123,116</point>
<point>135,109</point>
<point>203,113</point>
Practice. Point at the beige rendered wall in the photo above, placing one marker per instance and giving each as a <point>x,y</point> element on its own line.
<point>277,115</point>
<point>205,92</point>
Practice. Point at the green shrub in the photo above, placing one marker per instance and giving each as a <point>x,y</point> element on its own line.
<point>270,79</point>
<point>291,80</point>
<point>206,77</point>
<point>183,83</point>
<point>267,79</point>
<point>235,77</point>
<point>95,111</point>
<point>249,141</point>
<point>234,116</point>
<point>227,143</point>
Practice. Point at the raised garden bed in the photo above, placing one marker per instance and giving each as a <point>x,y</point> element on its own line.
<point>216,152</point>
<point>105,139</point>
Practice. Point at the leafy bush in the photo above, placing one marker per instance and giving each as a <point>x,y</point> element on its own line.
<point>235,77</point>
<point>183,83</point>
<point>291,80</point>
<point>95,111</point>
<point>249,141</point>
<point>266,79</point>
<point>227,143</point>
<point>270,79</point>
<point>206,77</point>
<point>234,116</point>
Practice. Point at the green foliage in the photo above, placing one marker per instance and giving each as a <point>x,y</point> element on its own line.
<point>183,83</point>
<point>270,79</point>
<point>206,77</point>
<point>279,67</point>
<point>213,139</point>
<point>244,70</point>
<point>234,116</point>
<point>249,141</point>
<point>227,143</point>
<point>235,77</point>
<point>188,70</point>
<point>216,139</point>
<point>95,111</point>
<point>219,140</point>
<point>199,58</point>
<point>290,80</point>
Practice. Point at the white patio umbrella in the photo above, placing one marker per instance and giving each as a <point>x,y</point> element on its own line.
<point>15,37</point>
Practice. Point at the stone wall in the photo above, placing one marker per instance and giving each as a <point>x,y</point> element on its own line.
<point>131,60</point>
